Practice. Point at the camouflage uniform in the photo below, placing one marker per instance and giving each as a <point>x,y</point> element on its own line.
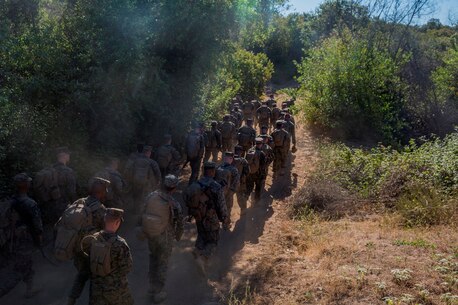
<point>275,116</point>
<point>282,142</point>
<point>209,226</point>
<point>151,182</point>
<point>196,161</point>
<point>228,177</point>
<point>242,167</point>
<point>263,115</point>
<point>270,156</point>
<point>256,180</point>
<point>160,247</point>
<point>248,110</point>
<point>113,289</point>
<point>213,144</point>
<point>289,126</point>
<point>16,254</point>
<point>246,135</point>
<point>227,139</point>
<point>81,261</point>
<point>168,159</point>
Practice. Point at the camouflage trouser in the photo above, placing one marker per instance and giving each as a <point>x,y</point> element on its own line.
<point>103,293</point>
<point>18,268</point>
<point>207,240</point>
<point>256,182</point>
<point>242,200</point>
<point>229,198</point>
<point>211,152</point>
<point>160,250</point>
<point>195,169</point>
<point>281,155</point>
<point>83,266</point>
<point>227,145</point>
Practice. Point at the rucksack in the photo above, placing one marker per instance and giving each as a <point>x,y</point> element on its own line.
<point>252,158</point>
<point>46,185</point>
<point>75,218</point>
<point>157,215</point>
<point>223,176</point>
<point>279,138</point>
<point>264,113</point>
<point>226,130</point>
<point>196,198</point>
<point>141,171</point>
<point>163,156</point>
<point>244,138</point>
<point>193,145</point>
<point>100,257</point>
<point>247,108</point>
<point>276,114</point>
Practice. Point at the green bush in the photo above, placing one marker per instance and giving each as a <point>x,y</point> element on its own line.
<point>349,86</point>
<point>420,181</point>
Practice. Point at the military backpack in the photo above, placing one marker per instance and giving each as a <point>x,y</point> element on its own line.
<point>157,214</point>
<point>163,156</point>
<point>141,171</point>
<point>196,199</point>
<point>227,130</point>
<point>100,255</point>
<point>46,185</point>
<point>193,142</point>
<point>75,218</point>
<point>253,160</point>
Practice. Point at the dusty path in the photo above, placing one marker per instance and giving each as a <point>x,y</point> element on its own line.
<point>185,285</point>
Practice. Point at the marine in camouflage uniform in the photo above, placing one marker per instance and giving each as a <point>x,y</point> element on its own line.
<point>246,135</point>
<point>160,246</point>
<point>208,226</point>
<point>271,101</point>
<point>228,177</point>
<point>228,133</point>
<point>117,188</point>
<point>237,113</point>
<point>23,235</point>
<point>263,115</point>
<point>289,126</point>
<point>98,192</point>
<point>152,180</point>
<point>264,133</point>
<point>242,167</point>
<point>66,180</point>
<point>282,143</point>
<point>257,179</point>
<point>167,157</point>
<point>213,142</point>
<point>195,161</point>
<point>248,110</point>
<point>112,289</point>
<point>268,151</point>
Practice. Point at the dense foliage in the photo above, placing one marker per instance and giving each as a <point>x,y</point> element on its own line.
<point>98,76</point>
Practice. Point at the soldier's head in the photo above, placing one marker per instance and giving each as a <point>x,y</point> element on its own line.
<point>236,108</point>
<point>98,188</point>
<point>209,169</point>
<point>284,105</point>
<point>264,129</point>
<point>271,96</point>
<point>113,163</point>
<point>249,122</point>
<point>63,155</point>
<point>279,124</point>
<point>22,183</point>
<point>238,150</point>
<point>170,183</point>
<point>264,103</point>
<point>167,138</point>
<point>258,142</point>
<point>226,118</point>
<point>228,157</point>
<point>214,124</point>
<point>287,117</point>
<point>147,149</point>
<point>274,105</point>
<point>113,219</point>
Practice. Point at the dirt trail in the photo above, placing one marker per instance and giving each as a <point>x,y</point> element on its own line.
<point>185,285</point>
